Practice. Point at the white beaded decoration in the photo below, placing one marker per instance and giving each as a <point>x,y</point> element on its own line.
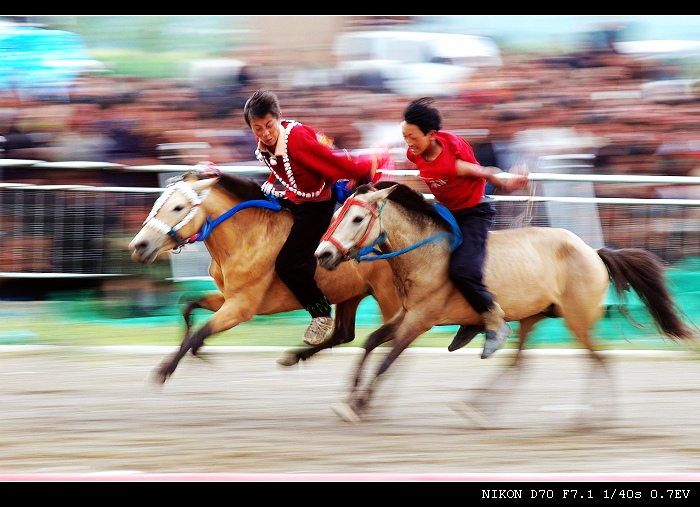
<point>268,187</point>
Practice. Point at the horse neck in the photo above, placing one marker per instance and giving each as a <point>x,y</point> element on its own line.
<point>253,232</point>
<point>404,228</point>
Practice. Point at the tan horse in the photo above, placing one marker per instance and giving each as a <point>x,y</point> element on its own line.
<point>534,272</point>
<point>243,247</point>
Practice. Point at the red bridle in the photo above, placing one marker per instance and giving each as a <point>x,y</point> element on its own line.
<point>334,225</point>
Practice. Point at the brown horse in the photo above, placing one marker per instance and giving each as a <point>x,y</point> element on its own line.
<point>534,272</point>
<point>243,242</point>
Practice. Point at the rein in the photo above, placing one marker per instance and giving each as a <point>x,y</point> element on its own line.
<point>272,203</point>
<point>370,253</point>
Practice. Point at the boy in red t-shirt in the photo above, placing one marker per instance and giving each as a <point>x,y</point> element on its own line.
<point>448,167</point>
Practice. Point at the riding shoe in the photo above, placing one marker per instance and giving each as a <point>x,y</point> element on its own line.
<point>318,331</point>
<point>495,340</point>
<point>464,335</point>
<point>497,330</point>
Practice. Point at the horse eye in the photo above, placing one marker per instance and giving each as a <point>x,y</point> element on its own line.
<point>177,209</point>
<point>357,220</point>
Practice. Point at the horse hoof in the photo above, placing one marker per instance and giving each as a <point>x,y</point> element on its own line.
<point>470,412</point>
<point>207,358</point>
<point>288,359</point>
<point>160,376</point>
<point>346,413</point>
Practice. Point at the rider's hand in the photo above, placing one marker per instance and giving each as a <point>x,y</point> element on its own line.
<point>383,157</point>
<point>514,180</point>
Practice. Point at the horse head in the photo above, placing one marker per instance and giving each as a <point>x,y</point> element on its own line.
<point>354,226</point>
<point>175,217</point>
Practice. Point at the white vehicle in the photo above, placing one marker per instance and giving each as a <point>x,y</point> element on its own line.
<point>411,63</point>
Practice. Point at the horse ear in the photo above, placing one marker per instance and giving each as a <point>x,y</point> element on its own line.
<point>203,184</point>
<point>207,170</point>
<point>189,177</point>
<point>172,180</point>
<point>378,195</point>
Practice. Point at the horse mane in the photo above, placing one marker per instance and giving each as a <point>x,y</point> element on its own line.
<point>245,189</point>
<point>408,198</point>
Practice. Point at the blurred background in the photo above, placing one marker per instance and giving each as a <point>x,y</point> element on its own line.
<point>97,112</point>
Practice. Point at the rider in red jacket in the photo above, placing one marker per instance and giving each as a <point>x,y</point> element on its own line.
<point>303,171</point>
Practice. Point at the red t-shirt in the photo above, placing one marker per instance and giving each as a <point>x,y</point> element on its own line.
<point>454,192</point>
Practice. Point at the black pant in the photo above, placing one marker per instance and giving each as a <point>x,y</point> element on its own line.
<point>296,264</point>
<point>467,261</point>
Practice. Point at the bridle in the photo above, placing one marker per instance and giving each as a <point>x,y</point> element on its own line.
<point>196,199</point>
<point>160,226</point>
<point>369,252</point>
<point>375,215</point>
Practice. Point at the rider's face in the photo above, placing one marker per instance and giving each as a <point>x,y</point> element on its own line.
<point>266,129</point>
<point>417,141</point>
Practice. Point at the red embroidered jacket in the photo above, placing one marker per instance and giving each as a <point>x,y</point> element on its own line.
<point>312,167</point>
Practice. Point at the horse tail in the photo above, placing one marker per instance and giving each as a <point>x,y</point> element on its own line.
<point>644,272</point>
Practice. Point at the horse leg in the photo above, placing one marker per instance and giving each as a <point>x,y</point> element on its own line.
<point>406,331</point>
<point>187,316</point>
<point>190,342</point>
<point>343,332</point>
<point>348,410</point>
<point>498,387</point>
<point>211,303</point>
<point>526,326</point>
<point>382,335</point>
<point>228,316</point>
<point>599,372</point>
<point>600,376</point>
<point>167,368</point>
<point>404,336</point>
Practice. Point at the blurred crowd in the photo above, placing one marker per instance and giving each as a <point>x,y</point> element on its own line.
<point>613,108</point>
<point>598,96</point>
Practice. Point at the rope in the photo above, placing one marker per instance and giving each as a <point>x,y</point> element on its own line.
<point>369,253</point>
<point>209,225</point>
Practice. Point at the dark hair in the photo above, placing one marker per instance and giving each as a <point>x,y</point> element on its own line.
<point>423,115</point>
<point>260,104</point>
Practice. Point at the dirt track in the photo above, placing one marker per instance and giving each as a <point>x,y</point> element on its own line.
<point>78,411</point>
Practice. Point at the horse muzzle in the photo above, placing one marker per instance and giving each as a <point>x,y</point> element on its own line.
<point>328,256</point>
<point>143,251</point>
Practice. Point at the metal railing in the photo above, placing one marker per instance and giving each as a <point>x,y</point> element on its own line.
<point>54,231</point>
